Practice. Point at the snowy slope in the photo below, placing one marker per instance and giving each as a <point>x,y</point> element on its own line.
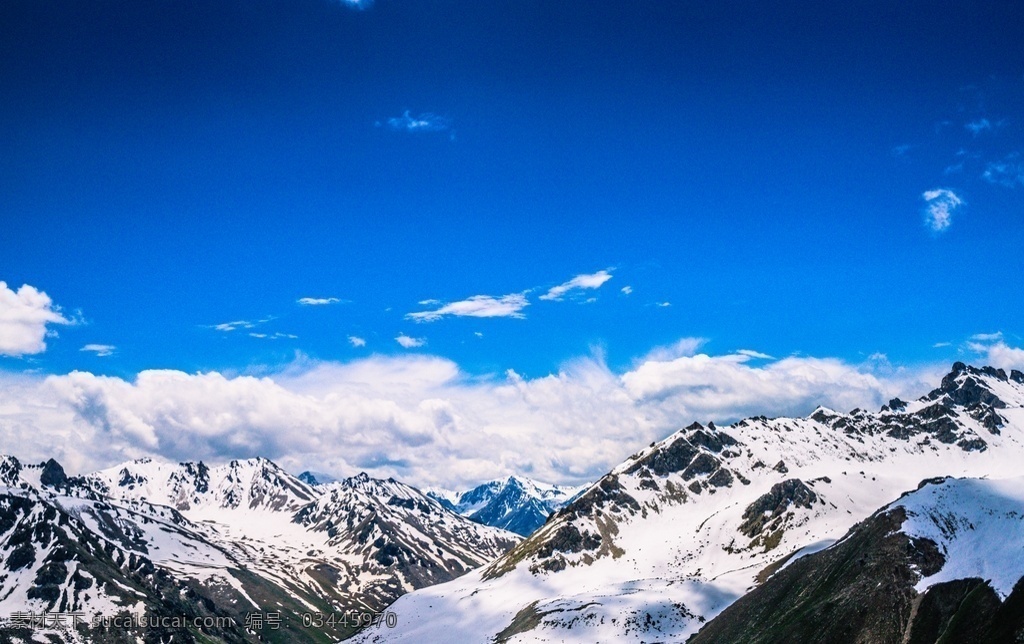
<point>688,525</point>
<point>240,537</point>
<point>517,504</point>
<point>942,563</point>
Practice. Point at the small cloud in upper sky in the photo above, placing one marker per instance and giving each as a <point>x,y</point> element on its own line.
<point>594,280</point>
<point>939,345</point>
<point>979,126</point>
<point>940,204</point>
<point>24,315</point>
<point>423,123</point>
<point>478,306</point>
<point>231,326</point>
<point>101,350</point>
<point>1009,172</point>
<point>358,4</point>
<point>274,336</point>
<point>755,354</point>
<point>409,342</point>
<point>356,341</point>
<point>663,304</point>
<point>626,290</point>
<point>317,301</point>
<point>478,334</point>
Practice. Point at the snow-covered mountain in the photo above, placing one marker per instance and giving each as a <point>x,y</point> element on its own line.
<point>184,539</point>
<point>687,526</point>
<point>517,504</point>
<point>942,563</point>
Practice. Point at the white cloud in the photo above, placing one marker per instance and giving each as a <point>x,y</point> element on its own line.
<point>626,290</point>
<point>999,354</point>
<point>24,315</point>
<point>423,123</point>
<point>755,354</point>
<point>939,345</point>
<point>420,418</point>
<point>356,341</point>
<point>987,337</point>
<point>274,336</point>
<point>478,306</point>
<point>663,304</point>
<point>678,349</point>
<point>940,204</point>
<point>231,326</point>
<point>358,4</point>
<point>101,350</point>
<point>409,342</point>
<point>592,281</point>
<point>318,301</point>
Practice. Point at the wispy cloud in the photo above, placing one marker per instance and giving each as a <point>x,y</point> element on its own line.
<point>318,301</point>
<point>356,341</point>
<point>755,354</point>
<point>626,290</point>
<point>663,304</point>
<point>580,282</point>
<point>426,122</point>
<point>239,324</point>
<point>940,345</point>
<point>24,316</point>
<point>478,306</point>
<point>940,204</point>
<point>232,326</point>
<point>410,342</point>
<point>358,4</point>
<point>978,126</point>
<point>274,336</point>
<point>900,151</point>
<point>101,350</point>
<point>987,337</point>
<point>1009,172</point>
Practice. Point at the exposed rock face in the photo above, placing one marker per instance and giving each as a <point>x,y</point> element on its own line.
<point>774,504</point>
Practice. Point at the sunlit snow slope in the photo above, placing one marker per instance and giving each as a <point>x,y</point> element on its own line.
<point>688,525</point>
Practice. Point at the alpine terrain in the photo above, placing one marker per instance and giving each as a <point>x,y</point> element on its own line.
<point>151,540</point>
<point>517,504</point>
<point>797,524</point>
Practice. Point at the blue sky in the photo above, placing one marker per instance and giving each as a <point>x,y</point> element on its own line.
<point>799,179</point>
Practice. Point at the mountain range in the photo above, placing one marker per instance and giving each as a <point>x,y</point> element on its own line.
<point>901,525</point>
<point>189,541</point>
<point>516,504</point>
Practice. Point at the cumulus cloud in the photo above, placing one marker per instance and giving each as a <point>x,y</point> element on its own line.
<point>318,301</point>
<point>409,342</point>
<point>356,341</point>
<point>580,282</point>
<point>420,418</point>
<point>423,123</point>
<point>940,204</point>
<point>478,306</point>
<point>101,350</point>
<point>24,316</point>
